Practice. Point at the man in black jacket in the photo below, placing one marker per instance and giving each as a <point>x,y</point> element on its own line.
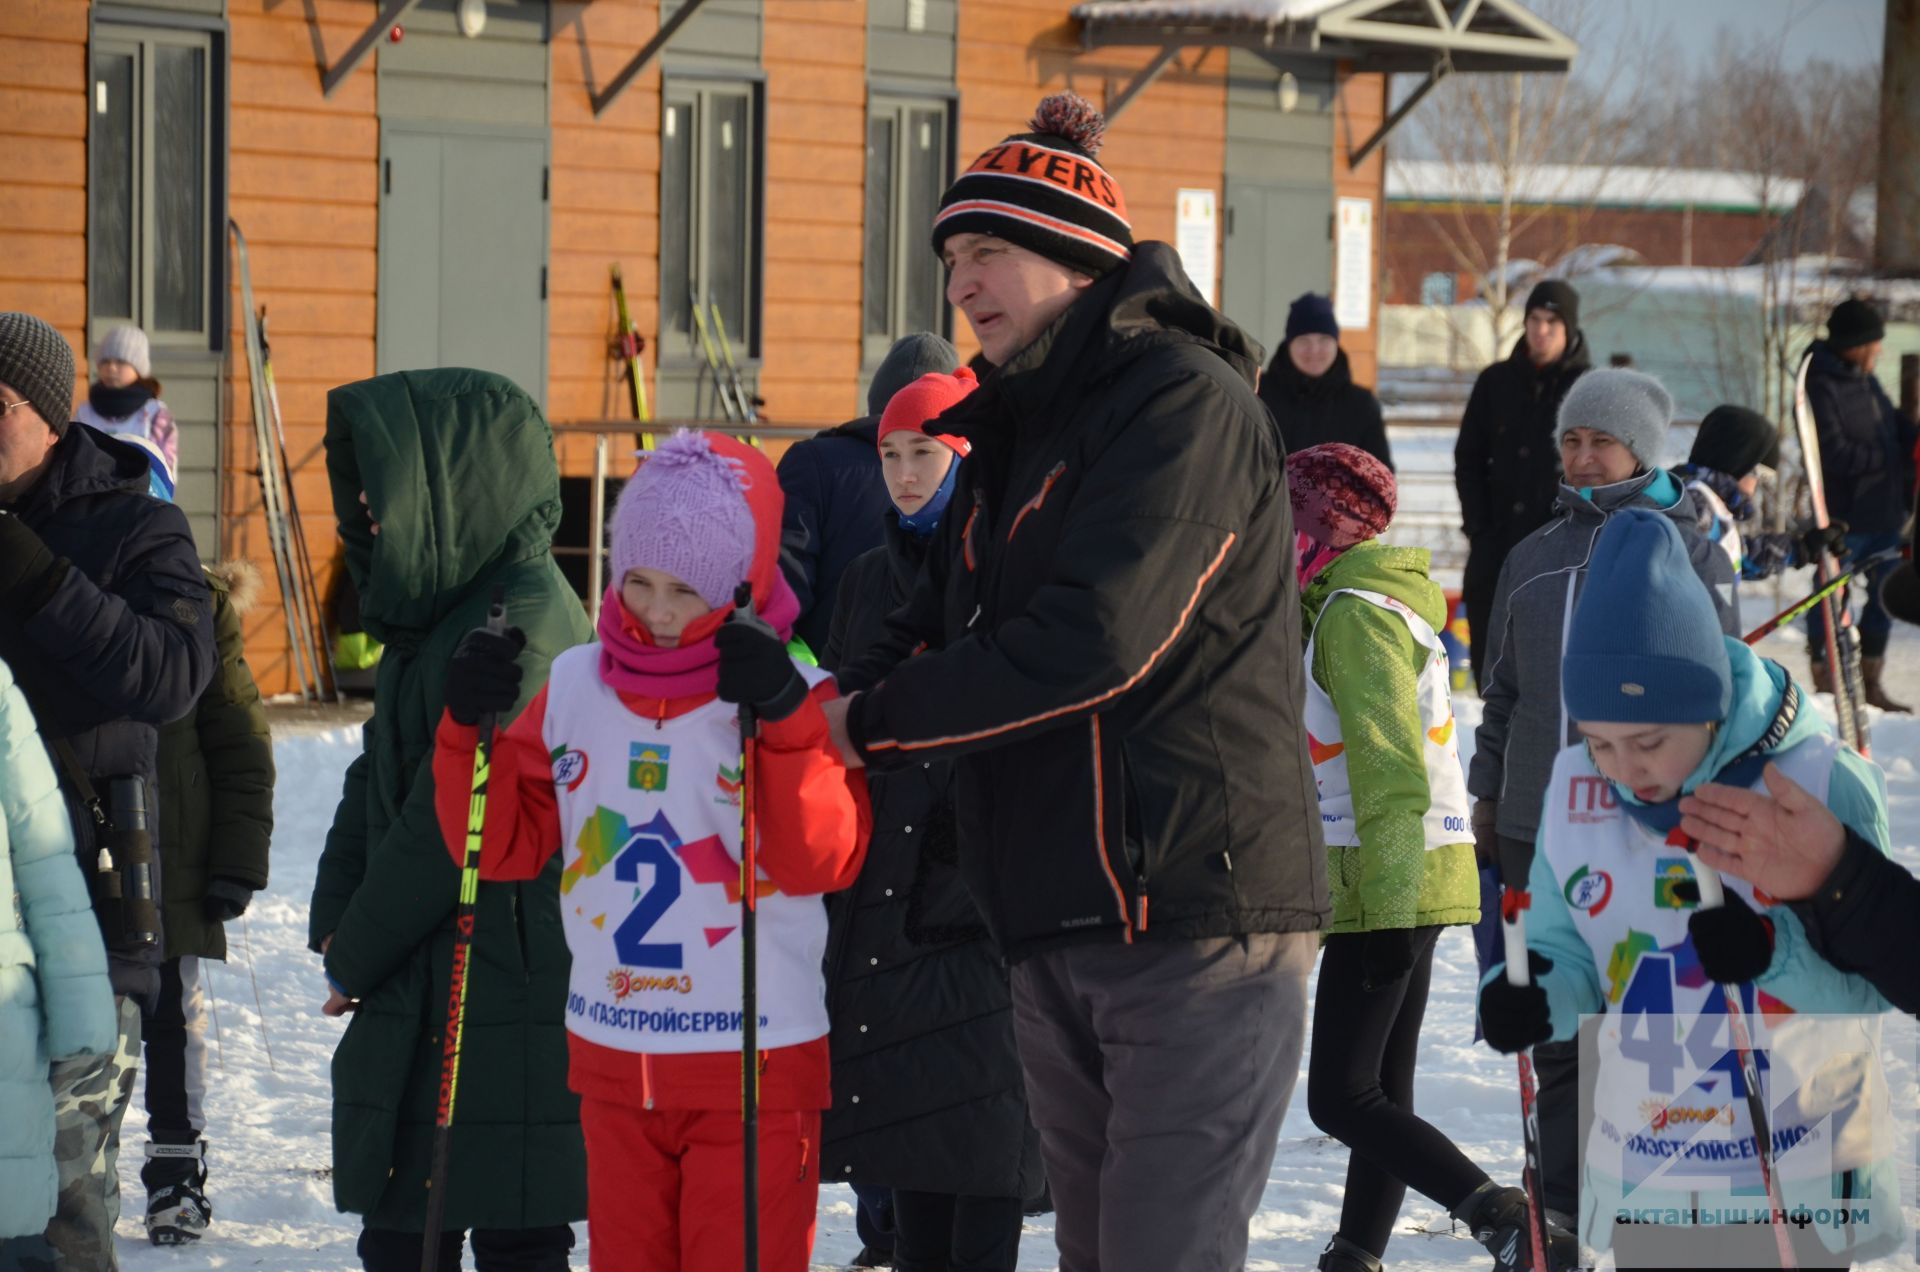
<point>1113,663</point>
<point>836,500</point>
<point>1310,390</point>
<point>1866,463</point>
<point>1506,464</point>
<point>106,622</point>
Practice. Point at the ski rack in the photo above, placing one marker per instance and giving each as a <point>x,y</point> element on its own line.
<point>293,599</point>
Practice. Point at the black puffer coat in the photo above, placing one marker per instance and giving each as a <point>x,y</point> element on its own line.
<point>1506,464</point>
<point>927,1089</point>
<point>124,644</point>
<point>1115,633</point>
<point>1323,408</point>
<point>835,499</point>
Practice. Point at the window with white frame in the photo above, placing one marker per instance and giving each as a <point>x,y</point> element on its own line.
<point>909,166</point>
<point>710,211</point>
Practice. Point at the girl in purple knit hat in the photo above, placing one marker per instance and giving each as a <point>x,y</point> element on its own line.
<point>628,764</point>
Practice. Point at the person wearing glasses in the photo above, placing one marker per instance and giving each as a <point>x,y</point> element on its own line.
<point>106,621</point>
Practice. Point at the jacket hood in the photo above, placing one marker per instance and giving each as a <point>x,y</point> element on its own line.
<point>1655,488</point>
<point>1377,567</point>
<point>1827,361</point>
<point>458,469</point>
<point>865,430</point>
<point>1283,376</point>
<point>1148,302</point>
<point>85,462</point>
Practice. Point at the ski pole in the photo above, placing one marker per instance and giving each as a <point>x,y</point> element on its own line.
<point>749,967</point>
<point>1863,566</point>
<point>749,405</point>
<point>712,358</point>
<point>1712,897</point>
<point>1842,655</point>
<point>1513,929</point>
<point>463,923</point>
<point>304,559</point>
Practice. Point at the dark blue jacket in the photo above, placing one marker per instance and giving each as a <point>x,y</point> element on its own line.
<point>836,508</point>
<point>123,645</point>
<point>1866,445</point>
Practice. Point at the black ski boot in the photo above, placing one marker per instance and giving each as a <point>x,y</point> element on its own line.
<point>176,1178</point>
<point>1498,1218</point>
<point>1341,1255</point>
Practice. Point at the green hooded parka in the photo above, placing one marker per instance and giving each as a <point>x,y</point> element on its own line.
<point>458,471</point>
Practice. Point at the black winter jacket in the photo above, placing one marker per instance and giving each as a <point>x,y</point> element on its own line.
<point>1861,920</point>
<point>1866,445</point>
<point>123,645</point>
<point>1116,636</point>
<point>836,498</point>
<point>1506,464</point>
<point>927,1089</point>
<point>1326,408</point>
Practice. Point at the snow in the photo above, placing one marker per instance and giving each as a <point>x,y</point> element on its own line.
<point>270,1113</point>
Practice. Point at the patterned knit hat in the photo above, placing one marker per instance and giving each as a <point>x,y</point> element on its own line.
<point>917,405</point>
<point>37,362</point>
<point>1044,191</point>
<point>685,512</point>
<point>1341,494</point>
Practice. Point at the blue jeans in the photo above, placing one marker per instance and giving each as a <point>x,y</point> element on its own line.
<point>1876,625</point>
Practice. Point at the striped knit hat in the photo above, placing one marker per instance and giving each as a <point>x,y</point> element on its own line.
<point>1044,191</point>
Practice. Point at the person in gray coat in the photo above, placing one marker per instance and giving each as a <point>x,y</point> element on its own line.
<point>1612,433</point>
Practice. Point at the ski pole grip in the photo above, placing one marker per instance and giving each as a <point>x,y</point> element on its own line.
<point>1513,932</point>
<point>743,613</point>
<point>1712,894</point>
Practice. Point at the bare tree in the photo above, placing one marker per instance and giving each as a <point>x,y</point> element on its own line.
<point>1528,155</point>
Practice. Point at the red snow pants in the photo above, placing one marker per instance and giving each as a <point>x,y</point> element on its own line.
<point>664,1188</point>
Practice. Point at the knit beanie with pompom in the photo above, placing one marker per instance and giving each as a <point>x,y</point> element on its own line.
<point>685,513</point>
<point>1045,191</point>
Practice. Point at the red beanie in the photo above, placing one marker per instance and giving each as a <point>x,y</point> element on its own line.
<point>923,400</point>
<point>1341,494</point>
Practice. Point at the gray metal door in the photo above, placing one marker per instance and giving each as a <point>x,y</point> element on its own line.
<point>1277,246</point>
<point>463,252</point>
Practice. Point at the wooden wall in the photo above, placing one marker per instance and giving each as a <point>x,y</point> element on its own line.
<point>1360,104</point>
<point>43,167</point>
<point>304,174</point>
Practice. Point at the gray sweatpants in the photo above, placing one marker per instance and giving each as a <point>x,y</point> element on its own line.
<point>1157,1074</point>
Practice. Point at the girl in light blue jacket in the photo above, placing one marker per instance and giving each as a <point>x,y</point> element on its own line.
<point>55,1002</point>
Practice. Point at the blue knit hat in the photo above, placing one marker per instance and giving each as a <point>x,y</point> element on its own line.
<point>1645,646</point>
<point>1311,314</point>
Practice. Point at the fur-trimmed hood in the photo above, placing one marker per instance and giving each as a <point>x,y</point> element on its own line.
<point>240,579</point>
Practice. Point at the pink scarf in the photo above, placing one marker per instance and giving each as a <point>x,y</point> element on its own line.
<point>631,663</point>
<point>1310,556</point>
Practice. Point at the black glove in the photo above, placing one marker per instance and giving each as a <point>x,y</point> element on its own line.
<point>1386,956</point>
<point>225,899</point>
<point>29,571</point>
<point>1486,834</point>
<point>755,668</point>
<point>1814,541</point>
<point>1734,942</point>
<point>1515,1017</point>
<point>483,676</point>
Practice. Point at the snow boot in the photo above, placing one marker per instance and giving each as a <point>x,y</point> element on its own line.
<point>1822,675</point>
<point>176,1178</point>
<point>1342,1255</point>
<point>1498,1219</point>
<point>870,1258</point>
<point>1871,670</point>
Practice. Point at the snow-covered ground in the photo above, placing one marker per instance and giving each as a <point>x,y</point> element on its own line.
<point>269,1100</point>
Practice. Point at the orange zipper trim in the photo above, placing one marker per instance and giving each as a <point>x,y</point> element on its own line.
<point>1100,835</point>
<point>1033,505</point>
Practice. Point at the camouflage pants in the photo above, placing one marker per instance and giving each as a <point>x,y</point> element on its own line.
<point>90,1097</point>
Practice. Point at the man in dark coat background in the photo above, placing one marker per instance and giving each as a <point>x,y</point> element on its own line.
<point>1506,464</point>
<point>1866,463</point>
<point>835,497</point>
<point>106,622</point>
